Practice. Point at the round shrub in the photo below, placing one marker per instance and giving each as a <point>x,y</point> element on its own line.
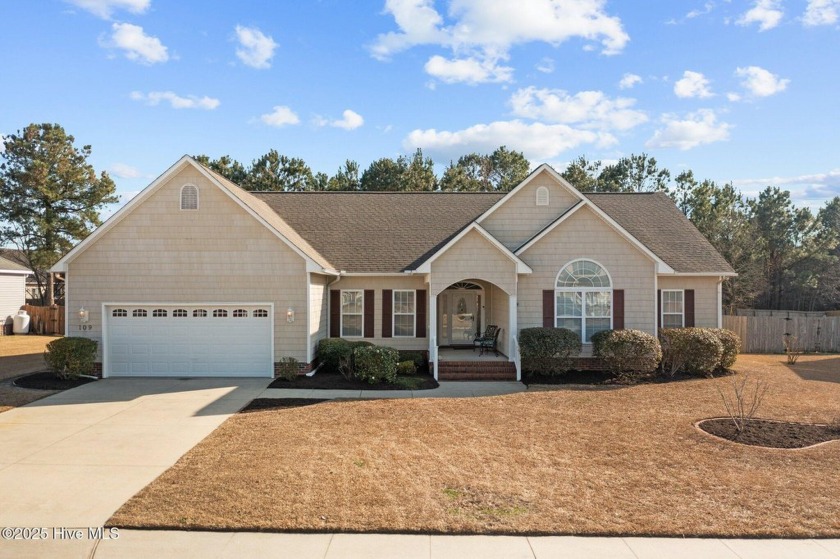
<point>332,352</point>
<point>695,351</point>
<point>548,351</point>
<point>406,368</point>
<point>71,357</point>
<point>731,347</point>
<point>628,352</point>
<point>376,364</point>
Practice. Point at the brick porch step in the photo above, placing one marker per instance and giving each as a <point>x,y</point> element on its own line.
<point>476,370</point>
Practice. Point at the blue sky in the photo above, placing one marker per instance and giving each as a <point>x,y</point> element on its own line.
<point>744,91</point>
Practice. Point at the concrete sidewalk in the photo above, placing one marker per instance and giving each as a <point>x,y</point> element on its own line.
<point>447,389</point>
<point>233,545</point>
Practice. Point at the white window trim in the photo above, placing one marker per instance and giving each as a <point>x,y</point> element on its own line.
<point>662,312</point>
<point>341,313</point>
<point>394,313</point>
<point>540,190</point>
<point>181,199</point>
<point>583,291</point>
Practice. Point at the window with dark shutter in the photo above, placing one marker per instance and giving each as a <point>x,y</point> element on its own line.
<point>387,302</point>
<point>421,313</point>
<point>548,308</point>
<point>335,313</point>
<point>369,306</point>
<point>689,308</point>
<point>618,309</point>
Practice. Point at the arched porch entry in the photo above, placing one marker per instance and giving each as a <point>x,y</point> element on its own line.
<point>463,309</point>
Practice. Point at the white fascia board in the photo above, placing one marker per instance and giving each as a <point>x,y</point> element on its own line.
<point>701,274</point>
<point>17,272</point>
<point>521,267</point>
<point>61,265</point>
<point>549,229</point>
<point>543,167</point>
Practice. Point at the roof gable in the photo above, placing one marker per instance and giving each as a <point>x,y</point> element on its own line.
<point>521,267</point>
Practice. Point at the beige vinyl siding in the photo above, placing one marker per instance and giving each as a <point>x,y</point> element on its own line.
<point>377,284</point>
<point>585,235</point>
<point>705,296</point>
<point>219,253</point>
<point>12,296</point>
<point>318,309</point>
<point>499,304</point>
<point>520,218</point>
<point>473,257</point>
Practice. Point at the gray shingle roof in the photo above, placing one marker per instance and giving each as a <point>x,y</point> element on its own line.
<point>384,232</point>
<point>655,221</point>
<point>389,232</point>
<point>7,264</point>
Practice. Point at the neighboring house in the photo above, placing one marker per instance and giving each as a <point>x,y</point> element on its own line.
<point>34,290</point>
<point>196,276</point>
<point>12,292</point>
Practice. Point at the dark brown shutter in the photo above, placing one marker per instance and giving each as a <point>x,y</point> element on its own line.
<point>387,307</point>
<point>548,308</point>
<point>618,309</point>
<point>659,308</point>
<point>369,306</point>
<point>689,308</point>
<point>335,313</point>
<point>421,313</point>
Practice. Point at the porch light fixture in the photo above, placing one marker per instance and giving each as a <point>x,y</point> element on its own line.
<point>84,316</point>
<point>290,314</point>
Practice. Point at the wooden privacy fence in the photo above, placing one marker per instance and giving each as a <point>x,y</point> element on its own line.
<point>45,320</point>
<point>766,334</point>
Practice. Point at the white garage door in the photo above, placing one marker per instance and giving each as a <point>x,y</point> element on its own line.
<point>189,340</point>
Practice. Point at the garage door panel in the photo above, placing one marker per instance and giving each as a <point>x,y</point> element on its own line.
<point>188,346</point>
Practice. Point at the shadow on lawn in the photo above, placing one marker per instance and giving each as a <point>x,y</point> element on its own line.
<point>825,370</point>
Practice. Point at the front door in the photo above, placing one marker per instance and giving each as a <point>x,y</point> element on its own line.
<point>459,312</point>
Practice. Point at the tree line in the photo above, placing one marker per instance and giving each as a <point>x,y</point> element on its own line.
<point>786,256</point>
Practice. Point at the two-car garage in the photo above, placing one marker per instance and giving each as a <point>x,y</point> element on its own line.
<point>225,340</point>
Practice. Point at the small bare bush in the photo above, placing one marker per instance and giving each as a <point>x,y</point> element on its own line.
<point>288,368</point>
<point>792,349</point>
<point>742,400</point>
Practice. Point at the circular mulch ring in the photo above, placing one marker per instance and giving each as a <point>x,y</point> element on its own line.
<point>771,434</point>
<point>47,380</point>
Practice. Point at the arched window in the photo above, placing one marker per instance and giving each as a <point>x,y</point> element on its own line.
<point>220,313</point>
<point>179,313</point>
<point>583,299</point>
<point>138,313</point>
<point>159,313</point>
<point>119,312</point>
<point>240,313</point>
<point>189,197</point>
<point>542,196</point>
<point>199,313</point>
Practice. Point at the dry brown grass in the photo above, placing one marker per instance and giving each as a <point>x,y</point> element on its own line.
<point>605,461</point>
<point>19,355</point>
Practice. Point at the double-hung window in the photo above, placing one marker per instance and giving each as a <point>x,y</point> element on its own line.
<point>352,309</point>
<point>673,308</point>
<point>405,312</point>
<point>583,299</point>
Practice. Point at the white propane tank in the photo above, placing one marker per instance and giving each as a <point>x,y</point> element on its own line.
<point>21,323</point>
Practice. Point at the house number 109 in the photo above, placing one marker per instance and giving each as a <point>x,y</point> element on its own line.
<point>85,327</point>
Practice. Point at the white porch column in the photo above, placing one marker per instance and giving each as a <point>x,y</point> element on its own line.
<point>433,350</point>
<point>513,344</point>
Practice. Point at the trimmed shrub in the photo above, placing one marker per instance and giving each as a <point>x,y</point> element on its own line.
<point>332,352</point>
<point>731,347</point>
<point>628,352</point>
<point>406,368</point>
<point>598,339</point>
<point>287,368</point>
<point>417,357</point>
<point>376,364</point>
<point>71,357</point>
<point>695,351</point>
<point>548,351</point>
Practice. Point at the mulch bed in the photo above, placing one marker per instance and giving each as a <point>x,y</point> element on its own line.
<point>598,378</point>
<point>264,404</point>
<point>47,380</point>
<point>772,434</point>
<point>334,381</point>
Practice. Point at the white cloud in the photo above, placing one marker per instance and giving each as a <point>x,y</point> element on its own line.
<point>537,141</point>
<point>707,8</point>
<point>766,13</point>
<point>280,116</point>
<point>350,121</point>
<point>483,32</point>
<point>629,80</point>
<point>760,82</point>
<point>588,109</point>
<point>821,12</point>
<point>136,44</point>
<point>697,128</point>
<point>468,70</point>
<point>124,171</point>
<point>692,84</point>
<point>809,189</point>
<point>256,48</point>
<point>546,65</point>
<point>176,101</point>
<point>734,97</point>
<point>105,8</point>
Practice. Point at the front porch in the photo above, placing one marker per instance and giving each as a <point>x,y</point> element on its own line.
<point>451,354</point>
<point>466,364</point>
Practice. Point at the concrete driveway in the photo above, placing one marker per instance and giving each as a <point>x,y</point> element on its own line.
<point>72,459</point>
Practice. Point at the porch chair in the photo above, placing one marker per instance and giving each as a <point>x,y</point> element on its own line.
<point>491,344</point>
<point>489,332</point>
